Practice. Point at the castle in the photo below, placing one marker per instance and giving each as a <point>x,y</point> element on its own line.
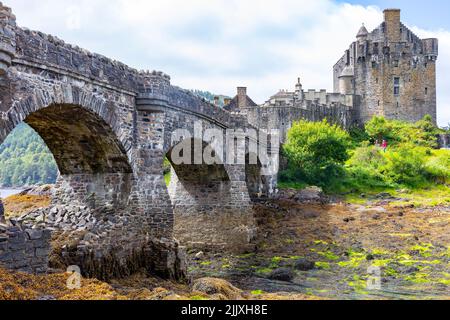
<point>388,72</point>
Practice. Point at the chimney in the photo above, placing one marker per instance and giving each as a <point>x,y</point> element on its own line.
<point>216,101</point>
<point>242,97</point>
<point>392,25</point>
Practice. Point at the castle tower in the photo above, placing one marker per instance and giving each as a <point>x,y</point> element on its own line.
<point>394,71</point>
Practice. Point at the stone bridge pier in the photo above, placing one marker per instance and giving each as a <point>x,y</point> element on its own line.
<point>109,128</point>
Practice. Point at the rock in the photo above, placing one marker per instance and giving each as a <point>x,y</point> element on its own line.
<point>304,265</point>
<point>282,274</point>
<point>311,214</point>
<point>384,196</point>
<point>34,234</point>
<point>376,216</point>
<point>46,298</point>
<point>212,286</point>
<point>200,255</point>
<point>310,195</point>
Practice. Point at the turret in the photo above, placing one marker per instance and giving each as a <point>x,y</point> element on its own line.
<point>7,38</point>
<point>431,48</point>
<point>362,34</point>
<point>346,81</point>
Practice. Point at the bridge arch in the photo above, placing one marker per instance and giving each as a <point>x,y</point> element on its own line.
<point>211,205</point>
<point>83,132</point>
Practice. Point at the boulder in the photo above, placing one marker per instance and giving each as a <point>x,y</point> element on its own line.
<point>282,274</point>
<point>310,195</point>
<point>304,265</point>
<point>213,286</point>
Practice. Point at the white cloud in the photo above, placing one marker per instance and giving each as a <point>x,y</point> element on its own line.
<point>218,45</point>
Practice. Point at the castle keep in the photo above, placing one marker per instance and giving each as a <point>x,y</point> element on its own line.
<point>388,72</point>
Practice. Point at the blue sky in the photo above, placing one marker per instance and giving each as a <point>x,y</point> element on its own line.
<point>431,14</point>
<point>217,45</point>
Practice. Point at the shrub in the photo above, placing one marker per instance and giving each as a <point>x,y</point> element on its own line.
<point>316,152</point>
<point>422,133</point>
<point>406,165</point>
<point>438,166</point>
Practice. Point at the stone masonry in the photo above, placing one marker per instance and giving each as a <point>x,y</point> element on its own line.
<point>110,128</point>
<point>24,248</point>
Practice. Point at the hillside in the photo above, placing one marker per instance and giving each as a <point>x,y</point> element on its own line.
<point>25,159</point>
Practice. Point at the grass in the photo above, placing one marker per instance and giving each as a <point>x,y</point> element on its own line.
<point>427,196</point>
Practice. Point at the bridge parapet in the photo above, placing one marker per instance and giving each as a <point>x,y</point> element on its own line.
<point>7,37</point>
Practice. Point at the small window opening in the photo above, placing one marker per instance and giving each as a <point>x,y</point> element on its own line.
<point>396,86</point>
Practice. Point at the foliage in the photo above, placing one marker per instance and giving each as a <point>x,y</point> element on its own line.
<point>410,162</point>
<point>208,96</point>
<point>316,152</point>
<point>26,160</point>
<point>422,133</point>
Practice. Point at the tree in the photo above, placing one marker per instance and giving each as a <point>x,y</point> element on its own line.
<point>316,151</point>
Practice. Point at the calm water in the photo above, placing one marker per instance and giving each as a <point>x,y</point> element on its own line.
<point>5,193</point>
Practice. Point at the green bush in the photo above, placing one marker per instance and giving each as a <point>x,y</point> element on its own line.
<point>405,164</point>
<point>438,166</point>
<point>422,133</point>
<point>316,152</point>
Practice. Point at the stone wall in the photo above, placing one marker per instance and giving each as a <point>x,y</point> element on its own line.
<point>282,117</point>
<point>24,249</point>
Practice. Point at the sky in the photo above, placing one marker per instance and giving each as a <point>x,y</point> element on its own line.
<point>218,45</point>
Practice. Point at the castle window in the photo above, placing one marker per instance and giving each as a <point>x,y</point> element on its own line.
<point>426,91</point>
<point>396,86</point>
<point>395,63</point>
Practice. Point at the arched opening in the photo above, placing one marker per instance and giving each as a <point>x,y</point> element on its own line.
<point>93,166</point>
<point>256,181</point>
<point>197,182</point>
<point>201,196</point>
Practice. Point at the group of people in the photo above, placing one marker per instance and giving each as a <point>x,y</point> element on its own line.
<point>383,145</point>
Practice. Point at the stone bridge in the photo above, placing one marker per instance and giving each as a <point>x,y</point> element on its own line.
<point>110,128</point>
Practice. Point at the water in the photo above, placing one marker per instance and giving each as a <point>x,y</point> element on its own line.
<point>5,193</point>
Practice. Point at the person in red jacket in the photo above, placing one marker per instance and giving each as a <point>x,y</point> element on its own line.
<point>384,145</point>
